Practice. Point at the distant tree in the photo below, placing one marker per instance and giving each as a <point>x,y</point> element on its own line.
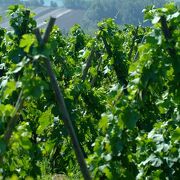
<point>34,2</point>
<point>53,4</point>
<point>42,2</point>
<point>101,9</point>
<point>8,2</point>
<point>76,4</point>
<point>131,12</point>
<point>124,11</point>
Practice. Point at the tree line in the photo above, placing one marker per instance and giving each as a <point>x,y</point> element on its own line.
<point>124,12</point>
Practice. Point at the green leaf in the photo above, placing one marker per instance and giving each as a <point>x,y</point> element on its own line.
<point>18,67</point>
<point>49,146</point>
<point>10,88</point>
<point>175,15</point>
<point>130,118</point>
<point>14,177</point>
<point>107,157</point>
<point>45,120</point>
<point>153,161</point>
<point>155,20</point>
<point>27,41</point>
<point>103,124</point>
<point>93,71</point>
<point>6,110</point>
<point>107,172</point>
<point>26,143</point>
<point>2,147</point>
<point>176,134</point>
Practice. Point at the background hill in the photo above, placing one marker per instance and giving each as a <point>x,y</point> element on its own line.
<point>86,12</point>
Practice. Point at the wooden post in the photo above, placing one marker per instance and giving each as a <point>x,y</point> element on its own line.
<point>61,103</point>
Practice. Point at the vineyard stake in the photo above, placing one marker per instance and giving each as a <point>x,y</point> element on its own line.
<point>61,103</point>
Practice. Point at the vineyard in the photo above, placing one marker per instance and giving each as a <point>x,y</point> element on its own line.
<point>90,107</point>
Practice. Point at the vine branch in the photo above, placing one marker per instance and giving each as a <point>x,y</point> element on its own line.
<point>88,64</point>
<point>171,48</point>
<point>133,43</point>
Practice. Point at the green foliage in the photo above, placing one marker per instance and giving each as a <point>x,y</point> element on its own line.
<point>121,88</point>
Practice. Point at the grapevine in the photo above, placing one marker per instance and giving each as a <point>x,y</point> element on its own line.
<point>118,89</point>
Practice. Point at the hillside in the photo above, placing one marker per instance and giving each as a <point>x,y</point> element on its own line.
<point>66,18</point>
